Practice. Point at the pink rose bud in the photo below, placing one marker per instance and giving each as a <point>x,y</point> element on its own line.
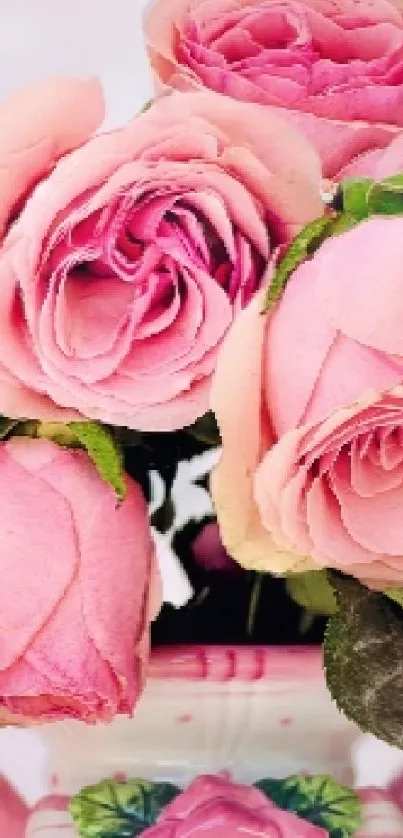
<point>125,270</point>
<point>77,578</point>
<point>13,812</point>
<point>331,69</point>
<point>213,806</point>
<point>309,401</point>
<point>208,551</point>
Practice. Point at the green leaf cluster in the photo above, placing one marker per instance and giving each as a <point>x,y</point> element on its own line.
<point>320,800</point>
<point>119,810</point>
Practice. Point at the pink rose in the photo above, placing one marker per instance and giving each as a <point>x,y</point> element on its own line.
<point>76,577</point>
<point>317,479</point>
<point>37,127</point>
<point>213,806</point>
<point>123,273</point>
<point>335,69</point>
<point>13,812</point>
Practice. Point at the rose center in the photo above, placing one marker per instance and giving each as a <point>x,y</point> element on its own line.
<point>128,269</point>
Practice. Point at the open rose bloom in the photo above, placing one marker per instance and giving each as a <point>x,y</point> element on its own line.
<point>318,479</point>
<point>334,69</point>
<point>124,270</point>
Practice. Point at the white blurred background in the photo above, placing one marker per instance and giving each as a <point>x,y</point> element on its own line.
<point>39,38</point>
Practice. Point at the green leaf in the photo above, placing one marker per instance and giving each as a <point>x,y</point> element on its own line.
<point>119,810</point>
<point>313,591</point>
<point>364,659</point>
<point>319,800</point>
<point>103,451</point>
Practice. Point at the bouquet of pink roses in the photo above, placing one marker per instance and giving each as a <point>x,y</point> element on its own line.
<point>226,267</point>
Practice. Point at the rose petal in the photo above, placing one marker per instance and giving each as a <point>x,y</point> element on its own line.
<point>376,290</point>
<point>374,523</point>
<point>295,351</point>
<point>27,501</point>
<point>36,129</point>
<point>232,481</point>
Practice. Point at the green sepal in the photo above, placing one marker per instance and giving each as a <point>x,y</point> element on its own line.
<point>365,198</point>
<point>363,654</point>
<point>119,810</point>
<point>303,247</point>
<point>313,591</point>
<point>319,800</point>
<point>361,198</point>
<point>102,449</point>
<point>355,196</point>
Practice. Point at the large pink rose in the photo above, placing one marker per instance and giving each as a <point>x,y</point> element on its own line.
<point>213,806</point>
<point>77,577</point>
<point>123,273</point>
<point>37,127</point>
<point>335,69</point>
<point>312,466</point>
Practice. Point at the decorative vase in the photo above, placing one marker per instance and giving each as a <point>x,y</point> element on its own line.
<point>252,711</point>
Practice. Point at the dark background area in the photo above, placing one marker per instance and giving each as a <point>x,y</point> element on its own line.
<point>218,613</point>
